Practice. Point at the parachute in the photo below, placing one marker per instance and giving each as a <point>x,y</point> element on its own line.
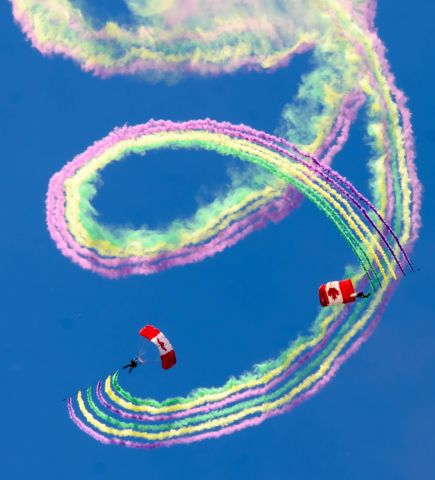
<point>166,351</point>
<point>338,292</point>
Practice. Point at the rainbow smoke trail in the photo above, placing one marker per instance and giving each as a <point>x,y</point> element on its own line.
<point>275,386</point>
<point>169,40</point>
<point>72,224</point>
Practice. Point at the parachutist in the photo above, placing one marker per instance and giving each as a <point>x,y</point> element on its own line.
<point>134,362</point>
<point>363,295</point>
<point>339,292</point>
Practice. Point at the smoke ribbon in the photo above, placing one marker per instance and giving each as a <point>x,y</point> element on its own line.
<point>169,40</point>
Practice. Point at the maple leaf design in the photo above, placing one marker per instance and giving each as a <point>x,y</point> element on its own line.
<point>333,292</point>
<point>162,344</point>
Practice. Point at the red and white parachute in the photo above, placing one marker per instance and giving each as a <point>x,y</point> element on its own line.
<point>338,292</point>
<point>167,353</point>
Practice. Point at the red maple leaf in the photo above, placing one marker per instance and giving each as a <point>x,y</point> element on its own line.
<point>333,292</point>
<point>162,344</point>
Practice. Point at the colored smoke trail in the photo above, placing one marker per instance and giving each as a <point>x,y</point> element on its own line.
<point>173,40</point>
<point>163,40</point>
<point>71,217</point>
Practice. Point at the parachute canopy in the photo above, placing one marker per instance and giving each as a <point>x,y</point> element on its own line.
<point>337,292</point>
<point>167,353</point>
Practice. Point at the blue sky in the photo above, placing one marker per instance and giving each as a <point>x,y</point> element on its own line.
<point>63,328</point>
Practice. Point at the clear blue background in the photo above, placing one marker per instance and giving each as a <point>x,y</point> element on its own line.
<point>63,328</point>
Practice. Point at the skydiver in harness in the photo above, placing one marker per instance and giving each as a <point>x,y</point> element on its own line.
<point>361,295</point>
<point>134,362</point>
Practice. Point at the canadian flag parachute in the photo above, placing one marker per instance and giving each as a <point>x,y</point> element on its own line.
<point>167,353</point>
<point>338,292</point>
